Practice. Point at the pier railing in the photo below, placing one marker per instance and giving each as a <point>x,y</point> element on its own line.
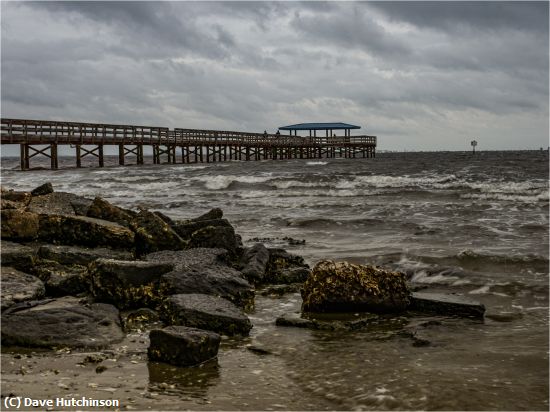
<point>18,131</point>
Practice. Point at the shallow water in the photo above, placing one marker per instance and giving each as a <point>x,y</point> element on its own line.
<point>476,226</point>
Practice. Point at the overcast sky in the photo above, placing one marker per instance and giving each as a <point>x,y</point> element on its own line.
<point>418,75</point>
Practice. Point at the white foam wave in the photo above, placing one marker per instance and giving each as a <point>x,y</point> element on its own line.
<point>285,184</point>
<point>316,163</point>
<point>535,198</point>
<point>422,277</point>
<point>218,182</point>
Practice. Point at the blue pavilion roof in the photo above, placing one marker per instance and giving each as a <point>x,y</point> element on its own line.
<point>319,126</point>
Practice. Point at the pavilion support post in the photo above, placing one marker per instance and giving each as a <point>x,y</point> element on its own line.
<point>24,156</point>
<point>100,154</point>
<point>121,154</point>
<point>187,153</point>
<point>247,153</point>
<point>78,156</point>
<point>53,155</point>
<point>225,153</point>
<point>139,154</point>
<point>201,154</point>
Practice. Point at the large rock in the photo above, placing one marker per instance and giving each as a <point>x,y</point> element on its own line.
<point>84,231</point>
<point>154,234</point>
<point>127,284</point>
<point>44,189</point>
<point>204,271</point>
<point>64,322</point>
<point>186,228</point>
<point>18,256</point>
<point>77,255</point>
<point>449,305</point>
<point>102,209</point>
<point>18,287</point>
<point>56,203</point>
<point>17,196</point>
<point>183,346</point>
<point>346,287</point>
<point>205,312</point>
<point>62,280</point>
<point>254,261</point>
<point>18,224</point>
<point>215,237</point>
<point>284,267</point>
<point>215,213</point>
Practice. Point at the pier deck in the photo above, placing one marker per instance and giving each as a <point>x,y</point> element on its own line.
<point>40,137</point>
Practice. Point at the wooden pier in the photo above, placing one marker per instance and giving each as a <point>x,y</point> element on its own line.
<point>40,137</point>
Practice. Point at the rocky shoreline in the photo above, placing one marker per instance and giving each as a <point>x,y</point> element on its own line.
<point>81,273</point>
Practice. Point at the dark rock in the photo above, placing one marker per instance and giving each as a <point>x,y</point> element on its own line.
<point>101,209</point>
<point>153,234</point>
<point>81,206</point>
<point>127,284</point>
<point>186,228</point>
<point>205,312</point>
<point>290,275</point>
<point>62,280</point>
<point>18,287</point>
<point>76,255</point>
<point>258,350</point>
<point>183,259</point>
<point>294,242</point>
<point>284,267</point>
<point>219,280</point>
<point>44,189</point>
<point>254,261</point>
<point>204,271</point>
<point>294,320</point>
<point>10,204</point>
<point>504,316</point>
<point>182,346</point>
<point>419,342</point>
<point>346,287</point>
<point>215,237</point>
<point>165,218</point>
<point>18,256</point>
<point>441,304</point>
<point>56,203</point>
<point>18,224</point>
<point>139,318</point>
<point>215,213</point>
<point>84,231</point>
<point>16,196</point>
<point>62,322</point>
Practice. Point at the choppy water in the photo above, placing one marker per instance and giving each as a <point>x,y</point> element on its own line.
<point>476,226</point>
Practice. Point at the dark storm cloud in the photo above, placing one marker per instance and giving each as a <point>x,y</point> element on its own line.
<point>351,27</point>
<point>479,16</point>
<point>401,68</point>
<point>158,28</point>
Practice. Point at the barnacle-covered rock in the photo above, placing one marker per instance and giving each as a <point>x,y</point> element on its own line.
<point>345,287</point>
<point>127,284</point>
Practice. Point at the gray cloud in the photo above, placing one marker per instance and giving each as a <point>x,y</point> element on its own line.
<point>469,15</point>
<point>406,70</point>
